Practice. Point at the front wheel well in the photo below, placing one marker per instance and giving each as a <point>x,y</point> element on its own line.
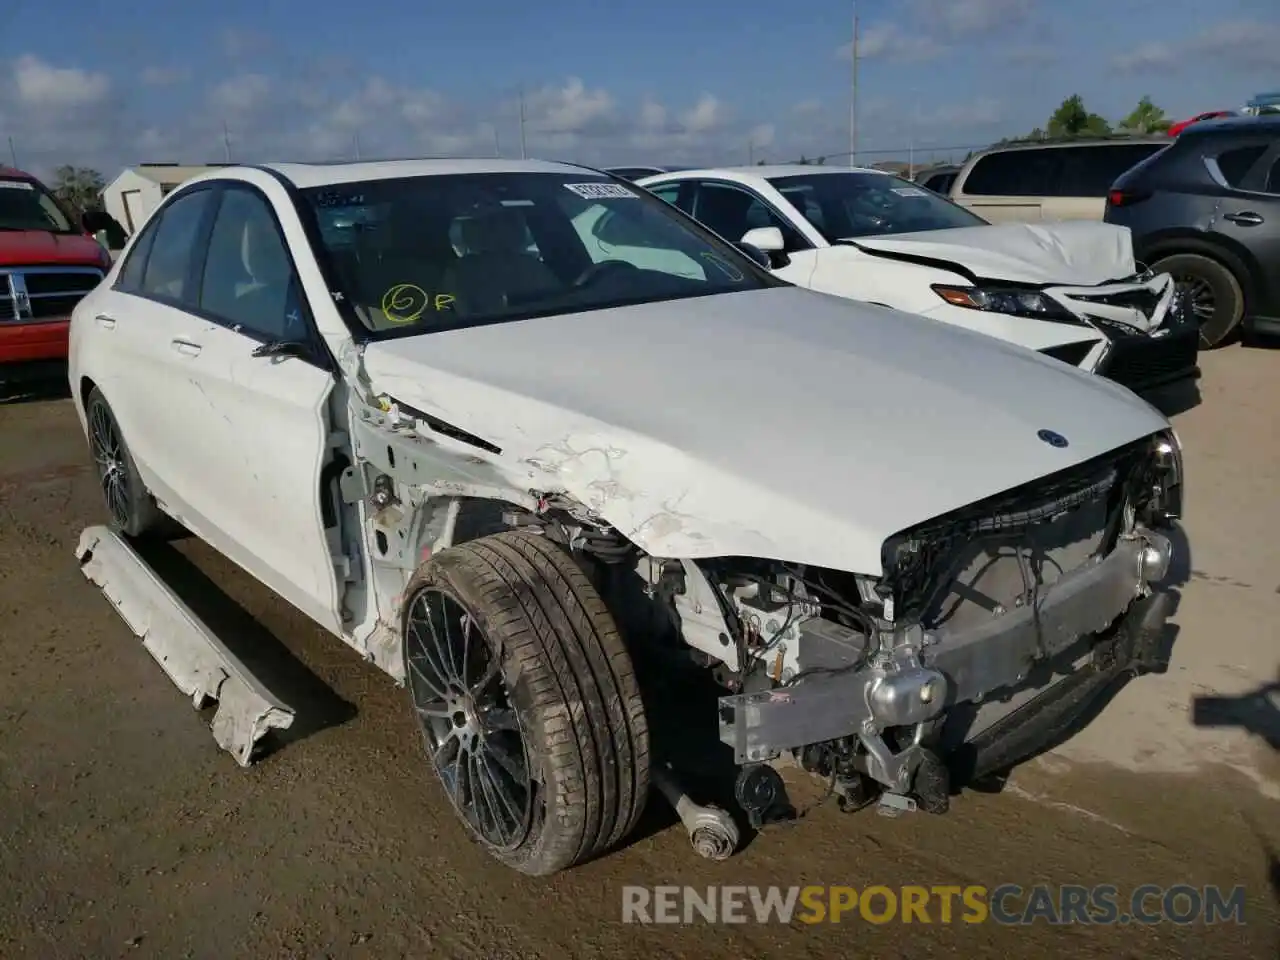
<point>86,387</point>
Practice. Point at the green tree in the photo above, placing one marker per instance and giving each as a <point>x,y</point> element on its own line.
<point>1072,119</point>
<point>1146,118</point>
<point>79,188</point>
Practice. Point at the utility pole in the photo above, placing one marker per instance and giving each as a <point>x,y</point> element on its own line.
<point>226,141</point>
<point>523,153</point>
<point>751,153</point>
<point>356,137</point>
<point>497,147</point>
<point>853,92</point>
<point>13,152</point>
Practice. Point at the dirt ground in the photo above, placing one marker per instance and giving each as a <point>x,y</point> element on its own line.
<point>124,831</point>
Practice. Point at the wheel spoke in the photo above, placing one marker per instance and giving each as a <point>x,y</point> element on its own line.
<point>494,776</point>
<point>434,710</point>
<point>511,762</point>
<point>491,671</point>
<point>428,655</point>
<point>442,657</point>
<point>435,688</point>
<point>482,795</point>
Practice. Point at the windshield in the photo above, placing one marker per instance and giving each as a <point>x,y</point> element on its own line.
<point>431,253</point>
<point>842,205</point>
<point>28,206</point>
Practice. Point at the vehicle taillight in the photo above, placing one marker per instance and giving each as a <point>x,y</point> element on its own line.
<point>1126,198</point>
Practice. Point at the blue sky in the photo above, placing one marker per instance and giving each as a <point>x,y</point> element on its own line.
<point>716,81</point>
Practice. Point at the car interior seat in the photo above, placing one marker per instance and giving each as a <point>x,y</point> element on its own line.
<point>496,264</point>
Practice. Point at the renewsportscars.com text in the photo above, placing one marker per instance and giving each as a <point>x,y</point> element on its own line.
<point>1007,904</point>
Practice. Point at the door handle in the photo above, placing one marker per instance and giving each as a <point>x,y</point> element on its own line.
<point>186,347</point>
<point>106,322</point>
<point>1246,218</point>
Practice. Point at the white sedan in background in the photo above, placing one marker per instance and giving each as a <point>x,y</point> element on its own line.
<point>1070,290</point>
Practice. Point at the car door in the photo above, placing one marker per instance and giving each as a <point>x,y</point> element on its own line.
<point>264,378</point>
<point>140,359</point>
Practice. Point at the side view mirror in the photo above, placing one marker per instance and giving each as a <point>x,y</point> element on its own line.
<point>94,221</point>
<point>768,239</point>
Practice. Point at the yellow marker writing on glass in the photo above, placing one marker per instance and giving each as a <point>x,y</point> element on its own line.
<point>404,303</point>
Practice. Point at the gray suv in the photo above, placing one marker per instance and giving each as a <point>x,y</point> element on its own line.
<point>1207,210</point>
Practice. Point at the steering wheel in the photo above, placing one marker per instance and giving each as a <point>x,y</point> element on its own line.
<point>598,270</point>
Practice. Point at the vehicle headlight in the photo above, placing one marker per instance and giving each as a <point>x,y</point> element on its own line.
<point>1009,300</point>
<point>1167,493</point>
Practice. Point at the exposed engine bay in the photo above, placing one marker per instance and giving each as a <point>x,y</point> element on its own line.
<point>984,632</point>
<point>874,681</point>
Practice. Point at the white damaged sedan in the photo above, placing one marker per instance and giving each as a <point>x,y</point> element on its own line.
<point>519,476</point>
<point>1070,290</point>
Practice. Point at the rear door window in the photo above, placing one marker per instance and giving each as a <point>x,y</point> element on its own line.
<point>168,270</point>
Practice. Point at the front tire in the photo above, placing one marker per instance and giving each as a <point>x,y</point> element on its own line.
<point>528,701</point>
<point>130,508</point>
<point>1215,294</point>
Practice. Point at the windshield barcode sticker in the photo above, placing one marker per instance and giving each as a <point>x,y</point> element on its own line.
<point>601,191</point>
<point>15,185</point>
<point>909,192</point>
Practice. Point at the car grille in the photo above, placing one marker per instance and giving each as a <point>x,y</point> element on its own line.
<point>1142,362</point>
<point>1143,300</point>
<point>957,568</point>
<point>1072,353</point>
<point>43,293</point>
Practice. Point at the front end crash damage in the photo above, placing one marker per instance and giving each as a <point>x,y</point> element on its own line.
<point>991,631</point>
<point>983,636</point>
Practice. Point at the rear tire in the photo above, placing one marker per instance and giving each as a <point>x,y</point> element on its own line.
<point>130,507</point>
<point>510,655</point>
<point>1216,295</point>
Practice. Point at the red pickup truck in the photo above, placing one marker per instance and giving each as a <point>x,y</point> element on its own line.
<point>48,262</point>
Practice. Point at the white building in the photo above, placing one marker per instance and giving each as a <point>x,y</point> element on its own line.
<point>133,196</point>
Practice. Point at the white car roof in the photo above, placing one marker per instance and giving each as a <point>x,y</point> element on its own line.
<point>768,172</point>
<point>323,174</point>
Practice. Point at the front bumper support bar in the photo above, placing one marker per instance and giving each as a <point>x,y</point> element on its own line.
<point>923,675</point>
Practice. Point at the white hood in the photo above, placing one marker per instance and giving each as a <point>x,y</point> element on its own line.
<point>780,423</point>
<point>1073,252</point>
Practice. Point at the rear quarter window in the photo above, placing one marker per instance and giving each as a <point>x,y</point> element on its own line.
<point>1235,164</point>
<point>1090,171</point>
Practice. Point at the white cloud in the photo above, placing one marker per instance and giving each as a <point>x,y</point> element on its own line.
<point>888,41</point>
<point>1239,45</point>
<point>40,84</point>
<point>704,116</point>
<point>569,109</point>
<point>241,94</point>
<point>965,18</point>
<point>163,76</point>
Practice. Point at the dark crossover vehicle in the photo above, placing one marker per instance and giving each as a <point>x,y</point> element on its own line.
<point>1206,209</point>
